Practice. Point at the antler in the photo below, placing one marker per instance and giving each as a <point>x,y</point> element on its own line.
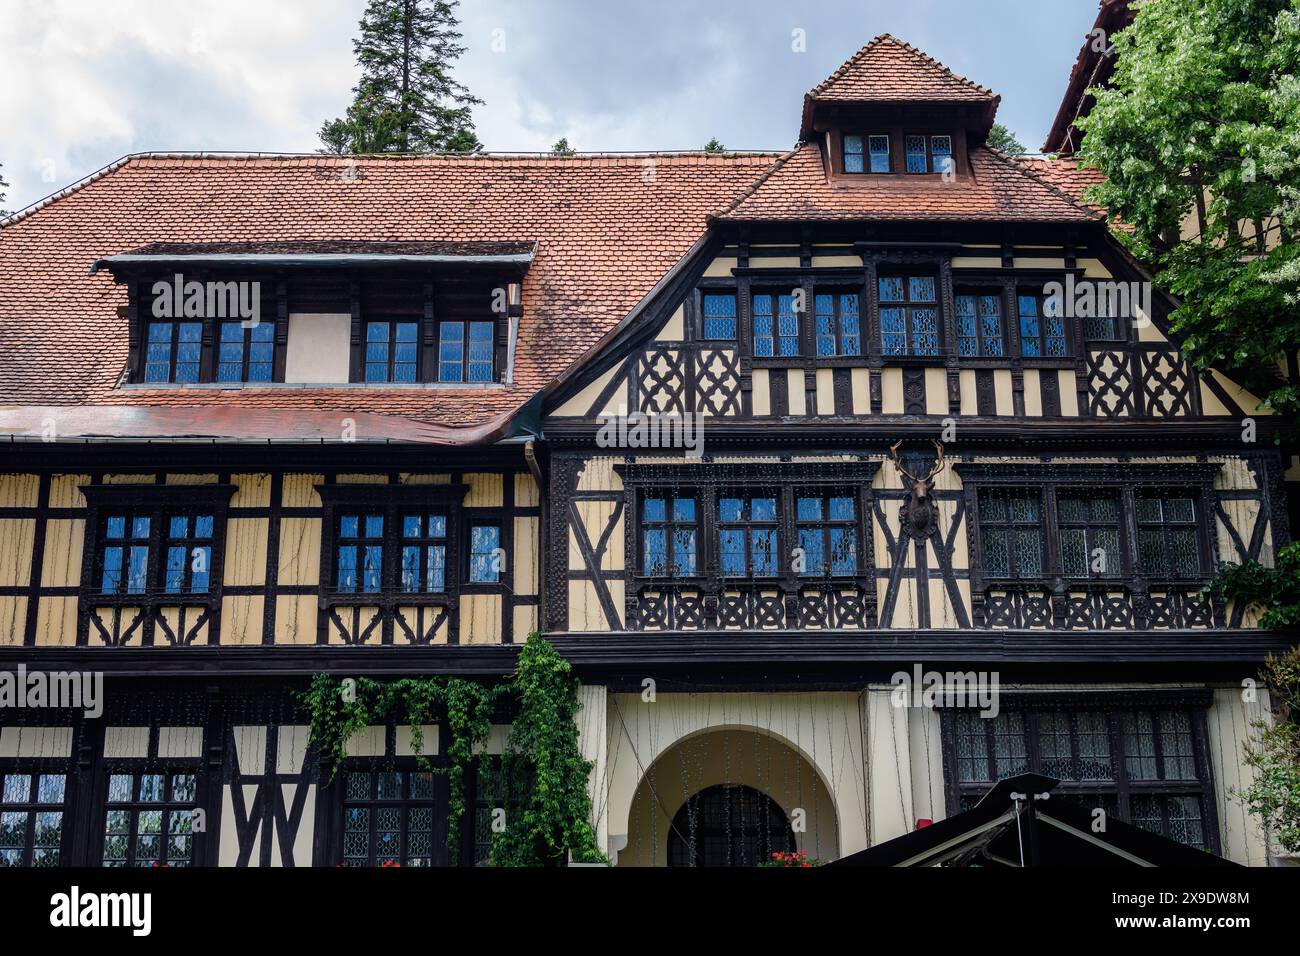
<point>934,470</point>
<point>938,460</point>
<point>893,454</point>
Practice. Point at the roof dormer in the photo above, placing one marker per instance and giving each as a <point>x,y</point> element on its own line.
<point>893,111</point>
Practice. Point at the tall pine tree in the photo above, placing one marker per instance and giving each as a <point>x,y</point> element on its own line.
<point>407,100</point>
<point>2,195</point>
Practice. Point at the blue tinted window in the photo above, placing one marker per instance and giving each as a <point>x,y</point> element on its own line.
<point>879,154</point>
<point>719,316</point>
<point>484,559</point>
<point>853,154</point>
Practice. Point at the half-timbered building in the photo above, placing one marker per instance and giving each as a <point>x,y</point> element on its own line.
<point>745,436</point>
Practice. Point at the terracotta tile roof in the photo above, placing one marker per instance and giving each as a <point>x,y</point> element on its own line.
<point>888,69</point>
<point>999,189</point>
<point>607,230</point>
<point>1066,175</point>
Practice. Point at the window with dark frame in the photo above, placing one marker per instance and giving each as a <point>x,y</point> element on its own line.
<point>776,325</point>
<point>396,544</point>
<point>1088,528</point>
<point>979,324</point>
<point>927,154</point>
<point>1041,335</point>
<point>424,553</point>
<point>669,528</point>
<point>246,354</point>
<point>484,553</point>
<point>1011,532</point>
<point>1168,542</point>
<point>465,351</point>
<point>359,551</point>
<point>32,807</point>
<point>719,310</point>
<point>173,352</point>
<point>148,818</point>
<point>127,564</point>
<point>826,529</point>
<point>392,351</point>
<point>838,326</point>
<point>392,818</point>
<point>909,315</point>
<point>748,534</point>
<point>866,153</point>
<point>1137,763</point>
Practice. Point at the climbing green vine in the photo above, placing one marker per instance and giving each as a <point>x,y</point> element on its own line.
<point>544,775</point>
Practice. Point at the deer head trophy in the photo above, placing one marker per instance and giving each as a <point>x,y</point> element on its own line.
<point>919,513</point>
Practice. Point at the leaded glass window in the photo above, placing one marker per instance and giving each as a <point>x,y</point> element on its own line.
<point>1138,764</point>
<point>173,351</point>
<point>246,354</point>
<point>392,818</point>
<point>31,818</point>
<point>827,530</point>
<point>424,553</point>
<point>1041,335</point>
<point>1089,527</point>
<point>669,532</point>
<point>148,818</point>
<point>917,160</point>
<point>359,546</point>
<point>465,351</point>
<point>719,316</point>
<point>776,325</point>
<point>979,324</point>
<point>392,351</point>
<point>909,315</point>
<point>1011,533</point>
<point>866,153</point>
<point>747,535</point>
<point>853,154</point>
<point>838,329</point>
<point>485,559</point>
<point>941,154</point>
<point>1168,541</point>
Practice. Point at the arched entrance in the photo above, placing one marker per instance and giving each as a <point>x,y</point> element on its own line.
<point>729,825</point>
<point>729,796</point>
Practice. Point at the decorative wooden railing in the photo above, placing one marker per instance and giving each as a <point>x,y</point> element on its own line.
<point>1101,606</point>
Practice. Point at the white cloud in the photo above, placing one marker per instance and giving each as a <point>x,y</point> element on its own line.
<point>84,81</point>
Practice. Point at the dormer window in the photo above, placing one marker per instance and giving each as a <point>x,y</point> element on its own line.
<point>246,354</point>
<point>172,351</point>
<point>929,154</point>
<point>322,313</point>
<point>866,153</point>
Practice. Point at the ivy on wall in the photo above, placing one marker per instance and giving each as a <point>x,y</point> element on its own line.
<point>543,770</point>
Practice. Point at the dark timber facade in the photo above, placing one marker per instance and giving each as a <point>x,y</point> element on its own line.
<point>895,441</point>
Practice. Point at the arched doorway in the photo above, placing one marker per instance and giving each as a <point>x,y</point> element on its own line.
<point>728,776</point>
<point>728,825</point>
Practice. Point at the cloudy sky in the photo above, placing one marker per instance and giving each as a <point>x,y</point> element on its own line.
<point>83,82</point>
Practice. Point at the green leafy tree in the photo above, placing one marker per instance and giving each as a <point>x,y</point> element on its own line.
<point>713,146</point>
<point>562,147</point>
<point>1274,754</point>
<point>1202,122</point>
<point>1002,139</point>
<point>407,100</point>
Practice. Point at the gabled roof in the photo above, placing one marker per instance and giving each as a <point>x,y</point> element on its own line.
<point>1021,823</point>
<point>1091,68</point>
<point>1000,188</point>
<point>606,228</point>
<point>888,70</point>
